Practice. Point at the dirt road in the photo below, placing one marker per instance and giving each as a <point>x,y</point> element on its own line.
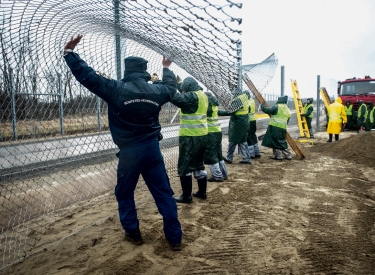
<point>312,216</point>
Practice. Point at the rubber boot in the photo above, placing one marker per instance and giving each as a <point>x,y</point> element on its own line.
<point>311,133</point>
<point>287,154</point>
<point>256,150</point>
<point>330,138</point>
<point>223,169</point>
<point>279,154</point>
<point>187,186</point>
<point>251,151</point>
<point>202,188</point>
<point>336,137</point>
<point>274,154</point>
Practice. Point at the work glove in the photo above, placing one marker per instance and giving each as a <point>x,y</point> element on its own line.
<point>178,79</point>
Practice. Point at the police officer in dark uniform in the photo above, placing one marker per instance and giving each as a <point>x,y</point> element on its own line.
<point>133,115</point>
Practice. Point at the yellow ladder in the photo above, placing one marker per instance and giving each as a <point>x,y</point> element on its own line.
<point>302,124</point>
<point>325,97</point>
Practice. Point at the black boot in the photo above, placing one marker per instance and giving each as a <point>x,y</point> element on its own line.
<point>330,138</point>
<point>135,236</point>
<point>187,186</point>
<point>202,188</point>
<point>336,137</point>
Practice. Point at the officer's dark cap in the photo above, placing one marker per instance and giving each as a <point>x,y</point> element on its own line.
<point>135,64</point>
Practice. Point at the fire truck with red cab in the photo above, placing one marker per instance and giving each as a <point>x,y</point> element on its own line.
<point>355,89</point>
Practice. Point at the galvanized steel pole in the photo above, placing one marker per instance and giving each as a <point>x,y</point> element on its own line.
<point>317,103</point>
<point>117,40</point>
<point>282,72</point>
<point>239,65</point>
<point>13,104</point>
<point>61,107</point>
<point>98,103</point>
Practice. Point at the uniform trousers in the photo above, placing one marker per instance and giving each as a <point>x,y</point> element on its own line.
<point>145,158</point>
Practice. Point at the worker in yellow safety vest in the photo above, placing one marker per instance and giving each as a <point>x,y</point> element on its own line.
<point>275,136</point>
<point>349,115</point>
<point>308,109</point>
<point>369,116</point>
<point>252,139</point>
<point>192,138</point>
<point>361,116</point>
<point>213,156</point>
<point>238,126</point>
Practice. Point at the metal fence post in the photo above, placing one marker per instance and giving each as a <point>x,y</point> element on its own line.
<point>61,107</point>
<point>317,103</point>
<point>282,72</point>
<point>169,112</point>
<point>13,104</point>
<point>117,39</point>
<point>98,113</point>
<point>239,65</point>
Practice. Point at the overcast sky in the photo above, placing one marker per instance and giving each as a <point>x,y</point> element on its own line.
<point>331,38</point>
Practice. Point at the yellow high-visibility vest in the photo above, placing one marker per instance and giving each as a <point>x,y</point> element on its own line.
<point>195,125</point>
<point>280,120</point>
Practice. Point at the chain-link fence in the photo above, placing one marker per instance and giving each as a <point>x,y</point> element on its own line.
<point>55,146</point>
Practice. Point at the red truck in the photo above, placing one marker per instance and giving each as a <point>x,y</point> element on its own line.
<point>355,89</point>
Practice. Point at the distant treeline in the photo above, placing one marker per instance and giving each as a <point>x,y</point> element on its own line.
<point>31,107</point>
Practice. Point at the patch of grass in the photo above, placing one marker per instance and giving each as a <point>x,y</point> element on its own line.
<point>28,129</point>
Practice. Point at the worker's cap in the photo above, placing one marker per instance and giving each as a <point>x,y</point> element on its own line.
<point>190,85</point>
<point>282,99</point>
<point>360,101</point>
<point>135,64</point>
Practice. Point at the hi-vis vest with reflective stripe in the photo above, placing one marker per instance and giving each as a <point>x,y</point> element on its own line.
<point>280,120</point>
<point>349,110</point>
<point>213,121</point>
<point>306,108</point>
<point>252,109</point>
<point>360,111</point>
<point>195,125</point>
<point>245,105</point>
<point>371,115</point>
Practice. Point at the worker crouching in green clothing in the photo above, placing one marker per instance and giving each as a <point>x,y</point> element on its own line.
<point>308,109</point>
<point>275,136</point>
<point>238,127</point>
<point>192,138</point>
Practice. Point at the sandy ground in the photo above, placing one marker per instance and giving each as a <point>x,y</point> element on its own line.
<point>311,216</point>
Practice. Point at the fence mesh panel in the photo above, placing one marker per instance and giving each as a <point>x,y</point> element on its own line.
<point>55,146</point>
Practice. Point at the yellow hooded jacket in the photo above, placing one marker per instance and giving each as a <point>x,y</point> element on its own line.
<point>336,117</point>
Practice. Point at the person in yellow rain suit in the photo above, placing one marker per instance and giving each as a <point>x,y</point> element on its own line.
<point>336,119</point>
